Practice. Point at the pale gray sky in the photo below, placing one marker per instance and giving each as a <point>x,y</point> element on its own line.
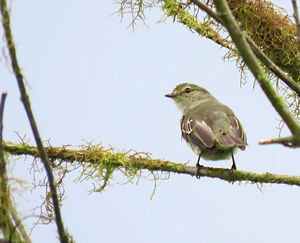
<point>90,78</point>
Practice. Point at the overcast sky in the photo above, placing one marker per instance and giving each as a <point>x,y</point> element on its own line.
<point>91,78</point>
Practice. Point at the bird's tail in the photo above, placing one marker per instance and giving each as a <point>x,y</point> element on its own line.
<point>228,140</point>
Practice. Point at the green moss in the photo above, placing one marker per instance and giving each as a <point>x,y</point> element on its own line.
<point>271,29</point>
<point>98,165</point>
<point>175,9</point>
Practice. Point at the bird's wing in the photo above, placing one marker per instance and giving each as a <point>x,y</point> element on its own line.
<point>213,124</point>
<point>197,132</point>
<point>200,133</point>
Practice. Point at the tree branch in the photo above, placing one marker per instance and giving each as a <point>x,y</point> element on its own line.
<point>249,58</point>
<point>6,224</point>
<point>103,158</point>
<point>272,66</point>
<point>2,160</point>
<point>26,102</point>
<point>286,141</point>
<point>175,9</point>
<point>259,54</point>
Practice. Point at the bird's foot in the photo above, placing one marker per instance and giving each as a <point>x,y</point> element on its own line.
<point>233,167</point>
<point>198,171</point>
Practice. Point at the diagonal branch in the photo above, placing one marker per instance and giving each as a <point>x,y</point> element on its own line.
<point>259,53</point>
<point>249,58</point>
<point>272,66</point>
<point>175,9</point>
<point>105,158</point>
<point>26,102</point>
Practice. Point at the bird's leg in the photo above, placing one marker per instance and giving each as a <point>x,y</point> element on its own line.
<point>233,167</point>
<point>198,166</point>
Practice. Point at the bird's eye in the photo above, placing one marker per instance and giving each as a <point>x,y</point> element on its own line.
<point>188,90</point>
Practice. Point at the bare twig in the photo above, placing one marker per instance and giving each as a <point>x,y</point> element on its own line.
<point>208,10</point>
<point>296,16</point>
<point>26,102</point>
<point>286,141</point>
<point>106,158</point>
<point>260,54</point>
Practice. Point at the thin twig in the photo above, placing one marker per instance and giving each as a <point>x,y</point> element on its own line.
<point>249,58</point>
<point>123,160</point>
<point>296,16</point>
<point>259,53</point>
<point>2,160</point>
<point>26,102</point>
<point>286,141</point>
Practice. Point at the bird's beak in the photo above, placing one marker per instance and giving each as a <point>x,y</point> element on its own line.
<point>172,95</point>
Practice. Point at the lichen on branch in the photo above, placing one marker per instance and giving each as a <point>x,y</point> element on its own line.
<point>271,29</point>
<point>179,12</point>
<point>105,161</point>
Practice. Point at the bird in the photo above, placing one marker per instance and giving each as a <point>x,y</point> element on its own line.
<point>209,127</point>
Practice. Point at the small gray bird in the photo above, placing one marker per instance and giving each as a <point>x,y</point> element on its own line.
<point>208,126</point>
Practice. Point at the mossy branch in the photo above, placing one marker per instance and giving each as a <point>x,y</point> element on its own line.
<point>175,9</point>
<point>104,158</point>
<point>249,58</point>
<point>259,53</point>
<point>6,224</point>
<point>272,30</point>
<point>297,21</point>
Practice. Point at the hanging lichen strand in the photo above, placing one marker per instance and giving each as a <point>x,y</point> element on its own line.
<point>273,31</point>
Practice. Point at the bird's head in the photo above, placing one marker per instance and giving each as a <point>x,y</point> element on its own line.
<point>187,95</point>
